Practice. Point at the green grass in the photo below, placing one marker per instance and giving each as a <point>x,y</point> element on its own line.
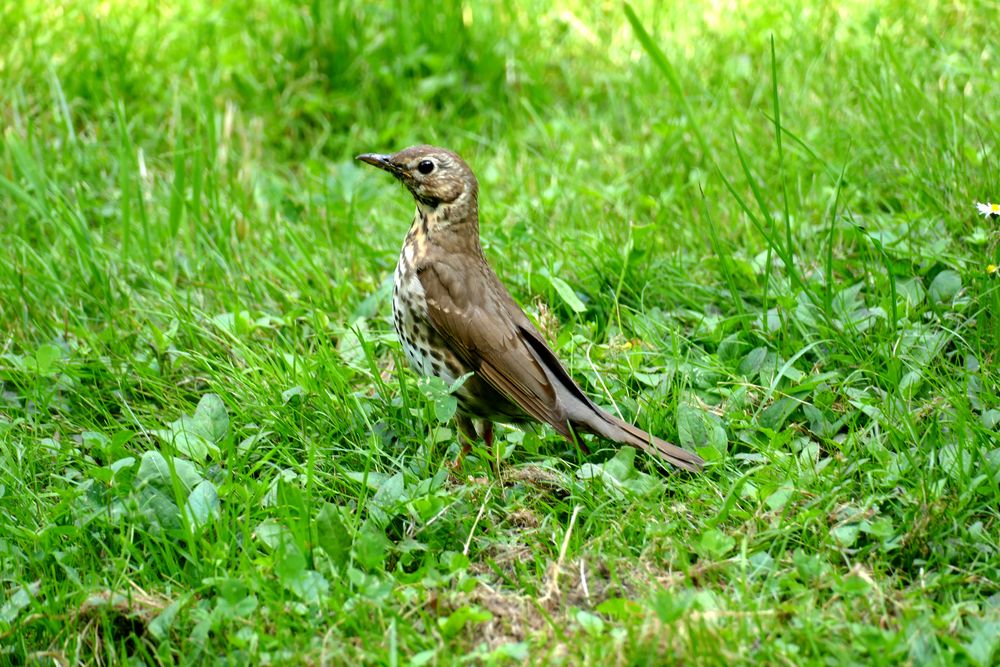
<point>765,212</point>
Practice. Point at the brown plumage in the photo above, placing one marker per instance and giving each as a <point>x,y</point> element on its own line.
<point>454,316</point>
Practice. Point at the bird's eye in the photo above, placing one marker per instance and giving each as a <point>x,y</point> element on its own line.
<point>425,167</point>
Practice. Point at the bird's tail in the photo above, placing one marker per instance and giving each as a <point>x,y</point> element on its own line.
<point>620,431</point>
<point>581,412</point>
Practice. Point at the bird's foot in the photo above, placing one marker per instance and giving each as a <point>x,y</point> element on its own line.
<point>457,463</point>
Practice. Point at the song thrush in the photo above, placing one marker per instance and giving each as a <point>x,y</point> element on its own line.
<point>453,317</point>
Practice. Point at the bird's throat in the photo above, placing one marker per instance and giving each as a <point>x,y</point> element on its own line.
<point>418,238</point>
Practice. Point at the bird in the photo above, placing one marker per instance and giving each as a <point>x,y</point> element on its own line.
<point>455,319</point>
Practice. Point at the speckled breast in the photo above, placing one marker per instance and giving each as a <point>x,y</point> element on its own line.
<point>428,352</point>
<point>424,348</point>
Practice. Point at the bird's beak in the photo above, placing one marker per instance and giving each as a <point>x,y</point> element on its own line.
<point>380,160</point>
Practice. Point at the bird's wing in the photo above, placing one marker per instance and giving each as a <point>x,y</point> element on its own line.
<point>482,325</point>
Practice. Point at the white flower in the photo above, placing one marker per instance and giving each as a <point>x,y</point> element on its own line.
<point>988,209</point>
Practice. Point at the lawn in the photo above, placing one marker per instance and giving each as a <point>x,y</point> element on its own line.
<point>751,228</point>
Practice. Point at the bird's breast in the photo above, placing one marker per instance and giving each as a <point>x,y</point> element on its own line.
<point>423,346</point>
<point>429,353</point>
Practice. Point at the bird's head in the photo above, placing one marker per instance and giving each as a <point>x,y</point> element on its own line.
<point>438,179</point>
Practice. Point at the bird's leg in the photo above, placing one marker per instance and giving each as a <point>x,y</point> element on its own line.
<point>467,436</point>
<point>488,439</point>
<point>488,434</point>
<point>575,438</point>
